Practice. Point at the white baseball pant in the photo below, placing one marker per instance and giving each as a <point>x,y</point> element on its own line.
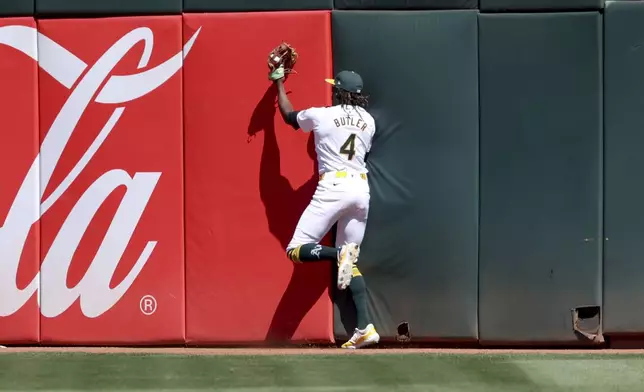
<point>343,199</point>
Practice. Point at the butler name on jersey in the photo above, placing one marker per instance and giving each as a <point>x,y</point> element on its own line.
<point>342,134</point>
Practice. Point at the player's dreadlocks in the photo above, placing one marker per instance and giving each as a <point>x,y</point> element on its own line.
<point>348,98</point>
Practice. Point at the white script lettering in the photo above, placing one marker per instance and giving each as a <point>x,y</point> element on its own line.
<point>28,207</point>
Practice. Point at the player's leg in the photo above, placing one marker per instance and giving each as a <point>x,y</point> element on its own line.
<point>365,333</point>
<point>314,224</point>
<point>351,229</point>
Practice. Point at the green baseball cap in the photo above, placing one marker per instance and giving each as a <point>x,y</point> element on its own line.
<point>347,80</point>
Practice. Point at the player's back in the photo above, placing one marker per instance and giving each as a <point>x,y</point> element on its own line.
<point>343,136</point>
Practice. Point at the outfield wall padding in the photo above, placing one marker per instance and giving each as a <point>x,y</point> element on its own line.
<point>419,256</point>
<point>255,5</point>
<point>70,8</point>
<point>541,132</point>
<point>16,8</point>
<point>111,175</point>
<point>502,148</point>
<point>540,5</point>
<point>404,4</point>
<point>624,192</point>
<point>19,207</point>
<point>248,179</point>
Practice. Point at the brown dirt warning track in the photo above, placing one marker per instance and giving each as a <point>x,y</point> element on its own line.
<point>307,351</point>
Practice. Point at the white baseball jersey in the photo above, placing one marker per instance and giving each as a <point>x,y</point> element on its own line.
<point>343,136</point>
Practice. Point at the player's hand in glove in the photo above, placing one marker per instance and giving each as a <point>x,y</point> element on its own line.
<point>276,74</point>
<point>281,61</point>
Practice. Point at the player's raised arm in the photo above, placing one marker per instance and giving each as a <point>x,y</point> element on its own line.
<point>286,108</point>
<point>280,63</point>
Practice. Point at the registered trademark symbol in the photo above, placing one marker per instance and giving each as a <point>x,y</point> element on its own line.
<point>148,305</point>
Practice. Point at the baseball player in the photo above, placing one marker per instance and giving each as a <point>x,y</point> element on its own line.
<point>343,134</point>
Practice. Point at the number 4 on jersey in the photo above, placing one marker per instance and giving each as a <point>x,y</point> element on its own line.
<point>349,147</point>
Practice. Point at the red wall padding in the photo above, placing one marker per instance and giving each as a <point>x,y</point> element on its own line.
<point>19,238</point>
<point>107,109</point>
<point>128,199</point>
<point>248,179</point>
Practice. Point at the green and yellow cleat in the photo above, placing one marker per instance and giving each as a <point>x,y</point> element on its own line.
<point>348,257</point>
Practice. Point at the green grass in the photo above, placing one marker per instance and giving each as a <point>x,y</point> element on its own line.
<point>373,373</point>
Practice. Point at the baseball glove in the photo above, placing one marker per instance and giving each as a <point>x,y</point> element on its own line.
<point>281,61</point>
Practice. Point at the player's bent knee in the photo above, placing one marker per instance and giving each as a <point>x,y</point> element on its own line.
<point>294,254</point>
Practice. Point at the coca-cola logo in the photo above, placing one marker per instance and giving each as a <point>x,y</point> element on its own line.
<point>84,82</point>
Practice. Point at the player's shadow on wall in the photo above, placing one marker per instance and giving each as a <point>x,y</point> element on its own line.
<point>284,205</point>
